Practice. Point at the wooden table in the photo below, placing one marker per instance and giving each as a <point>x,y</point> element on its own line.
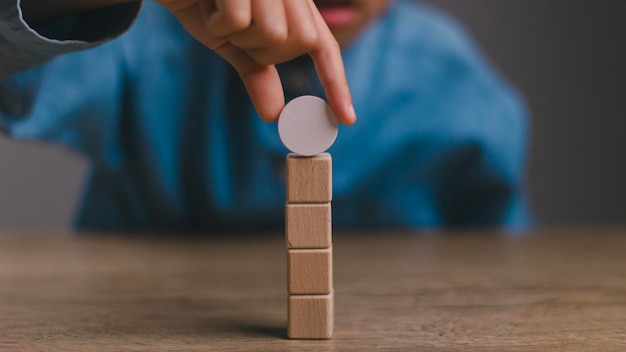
<point>546,291</point>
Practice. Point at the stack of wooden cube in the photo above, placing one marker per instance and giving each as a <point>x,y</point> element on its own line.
<point>309,245</point>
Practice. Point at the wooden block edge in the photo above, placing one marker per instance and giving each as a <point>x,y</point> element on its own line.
<point>330,328</point>
<point>327,242</point>
<point>330,282</point>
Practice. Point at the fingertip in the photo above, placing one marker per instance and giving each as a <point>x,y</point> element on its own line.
<point>265,91</point>
<point>268,109</point>
<point>350,117</point>
<point>269,117</point>
<point>344,109</point>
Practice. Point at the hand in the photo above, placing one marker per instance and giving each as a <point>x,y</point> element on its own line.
<point>254,35</point>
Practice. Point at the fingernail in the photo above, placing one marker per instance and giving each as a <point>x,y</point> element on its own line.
<point>352,113</point>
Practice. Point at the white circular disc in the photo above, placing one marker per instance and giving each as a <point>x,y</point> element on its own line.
<point>308,126</point>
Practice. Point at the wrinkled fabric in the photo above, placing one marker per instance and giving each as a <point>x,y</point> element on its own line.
<point>175,143</point>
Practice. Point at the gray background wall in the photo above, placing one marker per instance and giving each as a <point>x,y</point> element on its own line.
<point>569,60</point>
<point>39,185</point>
<point>567,57</point>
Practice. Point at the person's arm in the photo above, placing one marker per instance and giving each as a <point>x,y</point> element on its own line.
<point>24,45</point>
<point>40,12</point>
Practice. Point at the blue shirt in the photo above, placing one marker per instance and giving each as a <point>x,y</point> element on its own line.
<point>175,143</point>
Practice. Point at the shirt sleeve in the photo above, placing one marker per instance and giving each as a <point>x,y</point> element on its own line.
<point>22,46</point>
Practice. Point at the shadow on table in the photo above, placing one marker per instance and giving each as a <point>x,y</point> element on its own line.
<point>265,331</point>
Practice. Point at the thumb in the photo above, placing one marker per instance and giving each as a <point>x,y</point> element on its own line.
<point>262,82</point>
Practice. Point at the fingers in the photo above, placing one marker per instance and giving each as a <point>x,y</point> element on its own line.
<point>266,92</point>
<point>302,25</point>
<point>272,39</point>
<point>331,71</point>
<point>281,31</point>
<point>268,27</point>
<point>262,82</point>
<point>229,17</point>
<point>254,35</point>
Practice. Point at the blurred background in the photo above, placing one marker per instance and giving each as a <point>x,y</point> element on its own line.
<point>568,58</point>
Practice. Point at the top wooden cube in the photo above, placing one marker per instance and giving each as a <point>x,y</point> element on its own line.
<point>309,179</point>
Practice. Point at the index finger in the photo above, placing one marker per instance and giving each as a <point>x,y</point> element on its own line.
<point>330,69</point>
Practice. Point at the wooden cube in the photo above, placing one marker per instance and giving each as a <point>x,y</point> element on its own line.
<point>309,179</point>
<point>308,226</point>
<point>310,271</point>
<point>310,317</point>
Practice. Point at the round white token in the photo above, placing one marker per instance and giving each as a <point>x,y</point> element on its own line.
<point>308,126</point>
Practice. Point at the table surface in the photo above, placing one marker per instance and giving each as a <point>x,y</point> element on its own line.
<point>560,290</point>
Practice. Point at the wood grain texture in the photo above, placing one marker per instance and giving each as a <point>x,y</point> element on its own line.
<point>308,225</point>
<point>560,290</point>
<point>310,317</point>
<point>310,271</point>
<point>309,179</point>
